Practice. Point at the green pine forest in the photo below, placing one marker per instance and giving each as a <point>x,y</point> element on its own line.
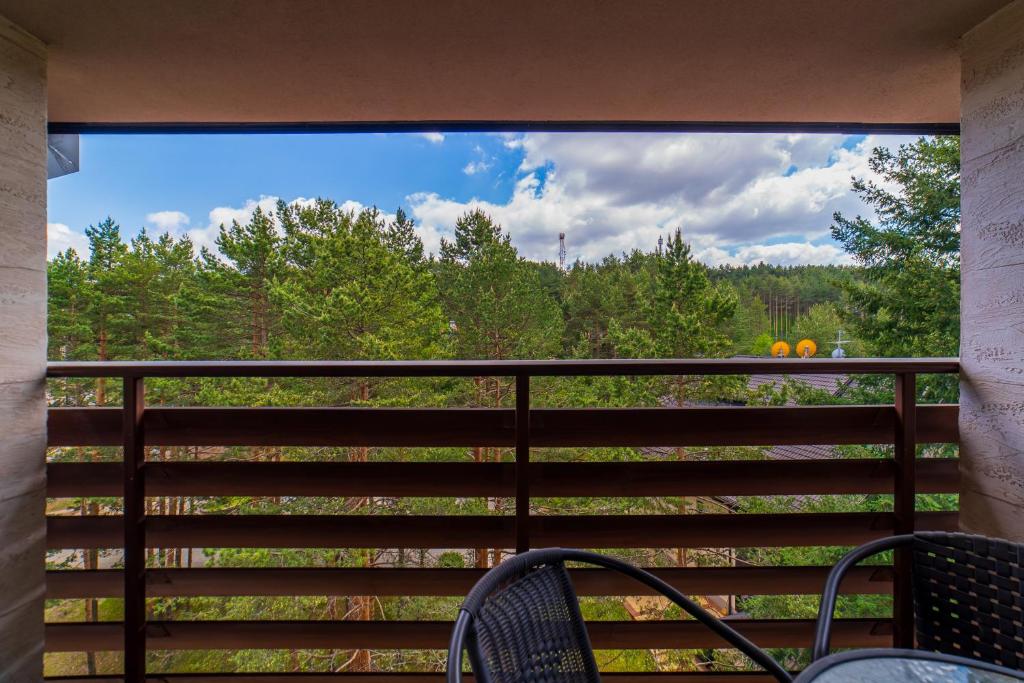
<point>318,282</point>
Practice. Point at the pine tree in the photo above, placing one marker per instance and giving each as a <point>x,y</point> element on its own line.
<point>686,312</point>
<point>401,237</point>
<point>251,262</point>
<point>495,298</point>
<point>908,303</point>
<point>107,310</point>
<point>153,273</point>
<point>351,293</point>
<point>69,332</point>
<point>499,310</point>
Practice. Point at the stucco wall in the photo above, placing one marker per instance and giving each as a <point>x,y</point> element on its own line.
<point>992,302</point>
<point>22,352</point>
<point>881,61</point>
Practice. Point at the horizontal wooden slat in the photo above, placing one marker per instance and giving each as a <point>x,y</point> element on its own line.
<point>734,478</point>
<point>464,479</point>
<point>415,677</point>
<point>409,427</point>
<point>732,426</point>
<point>721,530</point>
<point>215,635</point>
<point>474,368</point>
<point>399,427</point>
<point>707,478</point>
<point>298,531</point>
<point>590,531</point>
<point>103,583</point>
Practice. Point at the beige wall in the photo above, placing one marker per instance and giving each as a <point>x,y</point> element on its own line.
<point>992,303</point>
<point>22,352</point>
<point>882,61</point>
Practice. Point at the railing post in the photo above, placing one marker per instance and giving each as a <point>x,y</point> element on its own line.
<point>904,491</point>
<point>522,523</point>
<point>134,531</point>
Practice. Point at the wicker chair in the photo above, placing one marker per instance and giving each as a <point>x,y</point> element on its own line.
<point>967,595</point>
<point>521,622</point>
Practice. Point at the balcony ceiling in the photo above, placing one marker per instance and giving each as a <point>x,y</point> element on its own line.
<point>285,61</point>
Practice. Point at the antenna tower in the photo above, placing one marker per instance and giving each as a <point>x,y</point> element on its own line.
<point>561,250</point>
<point>839,351</point>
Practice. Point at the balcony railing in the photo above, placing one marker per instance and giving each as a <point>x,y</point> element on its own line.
<point>136,426</point>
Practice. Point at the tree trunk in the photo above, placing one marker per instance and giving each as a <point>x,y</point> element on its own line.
<point>684,503</point>
<point>90,559</point>
<point>480,554</point>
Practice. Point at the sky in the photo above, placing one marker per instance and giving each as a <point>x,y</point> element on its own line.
<point>739,198</point>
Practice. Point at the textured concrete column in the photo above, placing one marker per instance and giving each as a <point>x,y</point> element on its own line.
<point>992,327</point>
<point>22,352</point>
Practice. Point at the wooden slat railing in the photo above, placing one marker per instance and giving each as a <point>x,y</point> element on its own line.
<point>547,479</point>
<point>230,581</point>
<point>417,677</point>
<point>550,428</point>
<point>902,425</point>
<point>490,531</point>
<point>350,635</point>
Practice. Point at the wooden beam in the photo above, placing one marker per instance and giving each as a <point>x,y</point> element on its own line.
<point>547,479</point>
<point>406,427</point>
<point>399,427</point>
<point>721,530</point>
<point>522,479</point>
<point>730,426</point>
<point>472,531</point>
<point>107,583</point>
<point>904,505</point>
<point>503,368</point>
<point>415,677</point>
<point>134,529</point>
<point>217,635</point>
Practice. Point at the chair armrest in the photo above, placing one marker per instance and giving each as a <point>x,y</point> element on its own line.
<point>455,647</point>
<point>723,630</point>
<point>823,629</point>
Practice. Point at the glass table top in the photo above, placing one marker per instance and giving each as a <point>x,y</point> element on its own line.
<point>923,667</point>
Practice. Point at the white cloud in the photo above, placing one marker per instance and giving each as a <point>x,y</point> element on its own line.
<point>432,136</point>
<point>731,193</point>
<point>59,237</point>
<point>474,167</point>
<point>738,198</point>
<point>785,254</point>
<point>224,215</point>
<point>168,221</point>
<point>481,165</point>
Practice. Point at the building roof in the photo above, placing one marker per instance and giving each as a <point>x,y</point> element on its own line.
<point>302,61</point>
<point>834,384</point>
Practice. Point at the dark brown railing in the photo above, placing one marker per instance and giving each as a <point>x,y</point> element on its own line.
<point>136,425</point>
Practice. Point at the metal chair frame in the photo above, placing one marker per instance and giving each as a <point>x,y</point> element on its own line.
<point>463,634</point>
<point>967,595</point>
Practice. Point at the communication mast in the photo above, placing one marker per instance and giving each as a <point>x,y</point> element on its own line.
<point>839,351</point>
<point>561,250</point>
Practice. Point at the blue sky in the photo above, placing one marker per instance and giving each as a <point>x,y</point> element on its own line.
<point>737,197</point>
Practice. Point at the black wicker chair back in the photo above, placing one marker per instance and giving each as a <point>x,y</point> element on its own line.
<point>967,595</point>
<point>521,623</point>
<point>532,631</point>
